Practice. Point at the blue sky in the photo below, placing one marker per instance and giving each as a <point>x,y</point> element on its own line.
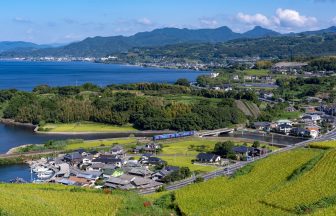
<point>62,21</point>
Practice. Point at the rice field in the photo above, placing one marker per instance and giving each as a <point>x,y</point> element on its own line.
<point>86,127</point>
<point>52,200</point>
<point>244,195</point>
<point>323,145</point>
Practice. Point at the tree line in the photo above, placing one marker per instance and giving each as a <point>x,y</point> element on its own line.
<point>146,109</point>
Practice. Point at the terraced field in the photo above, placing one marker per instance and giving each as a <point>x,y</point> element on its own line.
<point>250,194</point>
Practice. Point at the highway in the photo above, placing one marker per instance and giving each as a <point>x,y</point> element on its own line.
<point>229,170</point>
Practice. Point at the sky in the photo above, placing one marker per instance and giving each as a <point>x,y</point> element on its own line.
<point>64,21</point>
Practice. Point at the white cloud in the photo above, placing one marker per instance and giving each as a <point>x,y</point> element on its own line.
<point>145,21</point>
<point>205,22</point>
<point>283,20</point>
<point>292,18</point>
<point>257,19</point>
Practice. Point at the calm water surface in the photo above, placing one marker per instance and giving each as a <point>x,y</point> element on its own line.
<point>27,75</point>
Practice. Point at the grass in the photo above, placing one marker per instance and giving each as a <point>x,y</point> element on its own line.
<point>289,115</point>
<point>100,143</point>
<point>189,99</point>
<point>185,161</point>
<point>86,127</point>
<point>261,72</point>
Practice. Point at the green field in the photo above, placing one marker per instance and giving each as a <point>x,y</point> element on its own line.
<point>323,145</point>
<point>253,72</point>
<point>182,151</point>
<point>289,115</point>
<point>100,143</point>
<point>86,127</point>
<point>247,194</point>
<point>52,200</point>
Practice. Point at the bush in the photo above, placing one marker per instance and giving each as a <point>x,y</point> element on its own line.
<point>199,179</point>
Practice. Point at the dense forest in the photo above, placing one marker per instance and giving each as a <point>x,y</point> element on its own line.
<point>143,105</point>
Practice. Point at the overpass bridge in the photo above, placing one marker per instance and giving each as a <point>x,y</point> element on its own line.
<point>216,132</point>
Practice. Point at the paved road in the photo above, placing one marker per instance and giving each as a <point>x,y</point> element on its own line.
<point>233,168</point>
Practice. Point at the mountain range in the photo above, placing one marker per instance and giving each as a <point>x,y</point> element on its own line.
<point>102,46</point>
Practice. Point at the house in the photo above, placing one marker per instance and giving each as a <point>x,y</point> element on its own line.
<point>128,182</point>
<point>262,126</point>
<point>152,161</point>
<point>243,151</point>
<point>290,109</point>
<point>288,67</point>
<point>74,157</point>
<point>300,132</point>
<point>214,75</point>
<point>313,131</point>
<point>109,159</point>
<point>208,158</point>
<point>96,167</point>
<point>148,148</point>
<point>314,118</point>
<point>284,128</point>
<point>284,121</point>
<point>260,151</point>
<point>117,150</point>
<point>140,171</point>
<point>235,78</point>
<point>227,87</point>
<point>157,176</point>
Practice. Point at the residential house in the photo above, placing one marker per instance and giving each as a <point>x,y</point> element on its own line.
<point>314,130</point>
<point>117,150</point>
<point>262,126</point>
<point>243,151</point>
<point>159,175</point>
<point>314,118</point>
<point>208,158</point>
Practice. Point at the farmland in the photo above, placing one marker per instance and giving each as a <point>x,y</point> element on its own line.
<point>244,195</point>
<point>85,127</point>
<point>323,145</point>
<point>50,200</point>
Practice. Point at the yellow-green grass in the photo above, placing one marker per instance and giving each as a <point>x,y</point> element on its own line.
<point>28,199</point>
<point>243,195</point>
<point>310,188</point>
<point>185,161</point>
<point>255,72</point>
<point>100,143</point>
<point>86,127</point>
<point>323,145</point>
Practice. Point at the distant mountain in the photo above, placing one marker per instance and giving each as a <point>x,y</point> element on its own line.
<point>102,46</point>
<point>11,45</point>
<point>332,29</point>
<point>258,32</point>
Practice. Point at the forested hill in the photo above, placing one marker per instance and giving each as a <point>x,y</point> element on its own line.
<point>282,47</point>
<point>102,46</point>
